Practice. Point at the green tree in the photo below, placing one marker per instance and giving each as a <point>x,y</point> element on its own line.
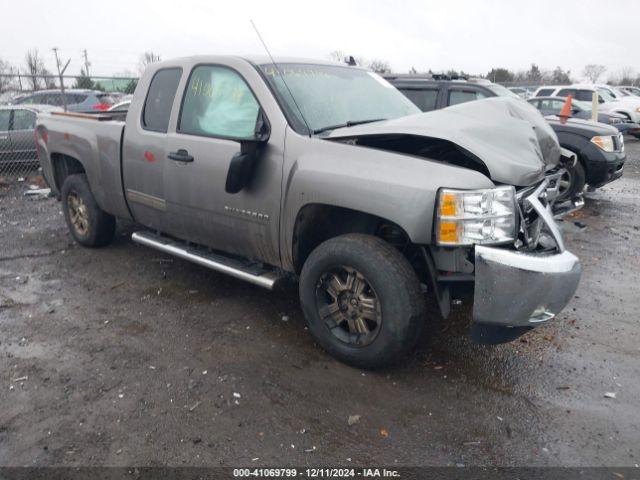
<point>561,76</point>
<point>500,75</point>
<point>131,86</point>
<point>84,81</point>
<point>534,74</point>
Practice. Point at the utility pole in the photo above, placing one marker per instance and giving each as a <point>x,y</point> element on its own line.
<point>86,62</point>
<point>60,73</point>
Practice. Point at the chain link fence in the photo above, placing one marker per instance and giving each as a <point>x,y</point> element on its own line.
<point>19,97</point>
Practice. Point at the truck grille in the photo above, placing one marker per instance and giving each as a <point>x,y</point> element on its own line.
<point>538,230</point>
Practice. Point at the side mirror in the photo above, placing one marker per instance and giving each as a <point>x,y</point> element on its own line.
<point>244,162</point>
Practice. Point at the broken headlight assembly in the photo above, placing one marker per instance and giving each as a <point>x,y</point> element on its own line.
<point>476,217</point>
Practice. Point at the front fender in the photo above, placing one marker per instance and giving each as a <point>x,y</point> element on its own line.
<point>399,188</point>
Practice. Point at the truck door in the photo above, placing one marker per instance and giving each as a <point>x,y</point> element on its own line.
<point>5,142</point>
<point>143,154</point>
<point>21,135</point>
<point>218,106</point>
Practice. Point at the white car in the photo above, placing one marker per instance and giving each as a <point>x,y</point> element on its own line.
<point>629,106</point>
<point>631,90</point>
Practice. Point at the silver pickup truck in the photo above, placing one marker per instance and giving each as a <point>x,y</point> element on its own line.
<point>295,169</point>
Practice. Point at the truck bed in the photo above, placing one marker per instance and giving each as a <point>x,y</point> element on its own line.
<point>91,141</point>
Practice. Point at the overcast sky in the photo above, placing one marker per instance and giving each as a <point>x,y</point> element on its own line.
<point>473,35</point>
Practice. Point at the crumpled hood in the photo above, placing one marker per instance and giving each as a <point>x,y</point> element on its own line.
<point>509,135</point>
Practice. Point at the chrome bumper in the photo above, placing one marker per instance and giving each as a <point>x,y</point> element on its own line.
<point>515,289</point>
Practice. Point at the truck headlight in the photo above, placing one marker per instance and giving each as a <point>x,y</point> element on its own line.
<point>476,217</point>
<point>604,143</point>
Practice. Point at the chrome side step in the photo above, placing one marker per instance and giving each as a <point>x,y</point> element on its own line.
<point>251,273</point>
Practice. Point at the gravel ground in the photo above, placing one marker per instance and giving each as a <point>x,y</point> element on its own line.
<point>123,356</point>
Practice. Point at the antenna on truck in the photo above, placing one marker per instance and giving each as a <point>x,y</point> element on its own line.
<point>282,77</point>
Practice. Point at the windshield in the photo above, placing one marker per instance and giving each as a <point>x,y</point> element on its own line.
<point>606,96</point>
<point>619,92</point>
<point>330,95</point>
<point>501,91</point>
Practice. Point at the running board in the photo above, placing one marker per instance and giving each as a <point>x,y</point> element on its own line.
<point>252,273</point>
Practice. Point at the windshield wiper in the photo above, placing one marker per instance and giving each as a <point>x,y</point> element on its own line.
<point>350,123</point>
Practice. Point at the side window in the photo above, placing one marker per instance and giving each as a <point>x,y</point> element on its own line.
<point>157,106</point>
<point>462,96</point>
<point>4,120</point>
<point>53,99</point>
<point>218,102</point>
<point>23,120</point>
<point>565,92</point>
<point>545,92</point>
<point>424,99</point>
<point>586,95</point>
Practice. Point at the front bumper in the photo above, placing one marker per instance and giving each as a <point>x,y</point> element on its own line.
<point>531,286</point>
<point>605,170</point>
<point>515,289</point>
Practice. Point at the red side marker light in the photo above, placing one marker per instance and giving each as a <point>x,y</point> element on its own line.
<point>149,156</point>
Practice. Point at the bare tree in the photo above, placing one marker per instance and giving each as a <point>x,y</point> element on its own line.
<point>379,66</point>
<point>35,68</point>
<point>626,76</point>
<point>6,83</point>
<point>341,57</point>
<point>337,56</point>
<point>147,58</point>
<point>49,79</point>
<point>593,72</point>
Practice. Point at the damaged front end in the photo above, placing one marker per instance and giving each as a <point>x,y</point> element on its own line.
<point>524,287</point>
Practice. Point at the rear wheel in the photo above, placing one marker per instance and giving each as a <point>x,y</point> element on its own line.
<point>88,223</point>
<point>362,300</point>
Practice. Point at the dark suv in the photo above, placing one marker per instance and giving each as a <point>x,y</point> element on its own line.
<point>77,100</point>
<point>599,147</point>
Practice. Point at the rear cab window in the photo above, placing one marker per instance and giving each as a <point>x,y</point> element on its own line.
<point>157,106</point>
<point>423,98</point>
<point>218,103</point>
<point>457,96</point>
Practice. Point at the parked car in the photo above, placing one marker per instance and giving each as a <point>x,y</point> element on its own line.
<point>600,154</point>
<point>120,107</point>
<point>325,173</point>
<point>580,109</point>
<point>627,106</point>
<point>635,91</point>
<point>77,100</point>
<point>522,92</point>
<point>17,126</point>
<point>595,166</point>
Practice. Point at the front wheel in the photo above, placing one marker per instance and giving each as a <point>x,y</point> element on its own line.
<point>362,300</point>
<point>571,183</point>
<point>88,223</point>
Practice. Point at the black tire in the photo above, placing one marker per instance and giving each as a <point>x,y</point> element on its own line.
<point>577,179</point>
<point>400,302</point>
<point>97,227</point>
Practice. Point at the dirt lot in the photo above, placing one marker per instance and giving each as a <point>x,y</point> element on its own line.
<point>123,356</point>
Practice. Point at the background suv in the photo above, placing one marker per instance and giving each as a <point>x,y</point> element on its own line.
<point>77,100</point>
<point>599,148</point>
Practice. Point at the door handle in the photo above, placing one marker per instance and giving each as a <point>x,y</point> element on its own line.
<point>181,156</point>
